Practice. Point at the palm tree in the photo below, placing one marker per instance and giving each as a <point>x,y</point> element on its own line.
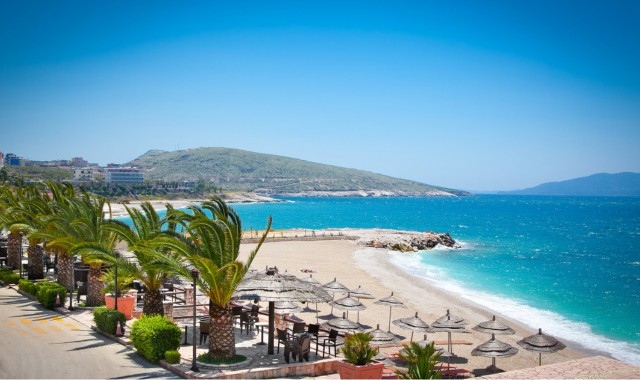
<point>57,232</point>
<point>150,267</point>
<point>93,241</point>
<point>9,202</point>
<point>211,245</point>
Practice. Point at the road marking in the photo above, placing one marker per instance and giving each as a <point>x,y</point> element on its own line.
<point>39,330</point>
<point>25,321</point>
<point>11,323</point>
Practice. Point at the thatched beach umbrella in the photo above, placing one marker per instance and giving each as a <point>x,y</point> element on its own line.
<point>541,343</point>
<point>413,324</point>
<point>390,301</point>
<point>361,294</point>
<point>271,286</point>
<point>348,303</point>
<point>451,317</point>
<point>313,282</point>
<point>334,287</point>
<point>448,326</point>
<point>286,307</point>
<point>382,338</point>
<point>494,327</point>
<point>341,324</point>
<point>493,349</point>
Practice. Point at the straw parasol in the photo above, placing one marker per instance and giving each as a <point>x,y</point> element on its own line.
<point>286,307</point>
<point>313,282</point>
<point>334,287</point>
<point>361,294</point>
<point>382,338</point>
<point>541,343</point>
<point>494,327</point>
<point>493,349</point>
<point>390,301</point>
<point>271,286</point>
<point>451,317</point>
<point>413,324</point>
<point>348,303</point>
<point>448,326</point>
<point>341,324</point>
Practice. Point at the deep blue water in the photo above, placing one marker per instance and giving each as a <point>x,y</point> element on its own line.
<point>570,265</point>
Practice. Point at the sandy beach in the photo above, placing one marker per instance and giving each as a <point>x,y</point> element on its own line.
<point>354,265</point>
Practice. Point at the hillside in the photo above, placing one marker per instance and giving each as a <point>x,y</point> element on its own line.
<point>239,170</point>
<point>602,184</point>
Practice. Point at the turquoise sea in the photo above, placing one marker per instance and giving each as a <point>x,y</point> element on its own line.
<point>570,265</point>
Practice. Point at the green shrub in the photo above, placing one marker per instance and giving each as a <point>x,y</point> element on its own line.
<point>172,356</point>
<point>107,319</point>
<point>47,292</point>
<point>27,286</point>
<point>356,349</point>
<point>421,362</point>
<point>154,335</point>
<point>9,277</point>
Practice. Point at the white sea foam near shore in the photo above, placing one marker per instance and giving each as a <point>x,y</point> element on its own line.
<point>571,332</point>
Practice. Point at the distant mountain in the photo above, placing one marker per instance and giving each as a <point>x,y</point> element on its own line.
<point>602,184</point>
<point>239,170</point>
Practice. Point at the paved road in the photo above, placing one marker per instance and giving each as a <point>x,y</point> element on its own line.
<point>41,344</point>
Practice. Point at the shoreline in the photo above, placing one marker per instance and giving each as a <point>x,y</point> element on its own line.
<point>354,265</point>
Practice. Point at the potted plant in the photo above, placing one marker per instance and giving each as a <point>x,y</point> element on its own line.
<point>126,303</point>
<point>421,362</point>
<point>359,363</point>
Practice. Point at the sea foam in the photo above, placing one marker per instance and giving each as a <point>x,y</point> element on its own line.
<point>551,322</point>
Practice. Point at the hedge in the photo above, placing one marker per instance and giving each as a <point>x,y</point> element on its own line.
<point>172,356</point>
<point>8,276</point>
<point>47,292</point>
<point>107,319</point>
<point>27,286</point>
<point>154,335</point>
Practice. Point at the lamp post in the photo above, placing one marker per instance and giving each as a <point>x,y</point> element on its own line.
<point>194,365</point>
<point>116,264</point>
<point>71,291</point>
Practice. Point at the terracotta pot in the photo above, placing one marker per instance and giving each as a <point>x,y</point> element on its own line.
<point>368,371</point>
<point>125,304</point>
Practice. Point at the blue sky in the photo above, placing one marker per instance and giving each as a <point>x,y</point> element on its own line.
<point>475,95</point>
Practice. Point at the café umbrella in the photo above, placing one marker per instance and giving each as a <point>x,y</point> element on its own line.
<point>493,349</point>
<point>541,343</point>
<point>392,302</point>
<point>313,282</point>
<point>273,287</point>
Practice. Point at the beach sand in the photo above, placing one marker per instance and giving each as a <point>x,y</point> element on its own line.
<point>354,265</point>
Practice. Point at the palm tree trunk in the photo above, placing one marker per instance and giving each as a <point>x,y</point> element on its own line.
<point>14,242</point>
<point>65,270</point>
<point>36,261</point>
<point>222,341</point>
<point>95,286</point>
<point>153,302</point>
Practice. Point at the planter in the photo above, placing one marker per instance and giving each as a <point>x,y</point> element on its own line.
<point>368,371</point>
<point>125,304</point>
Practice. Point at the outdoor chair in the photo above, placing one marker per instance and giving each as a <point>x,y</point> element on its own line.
<point>327,342</point>
<point>247,322</point>
<point>283,337</point>
<point>236,311</point>
<point>298,328</point>
<point>205,323</point>
<point>255,312</point>
<point>298,348</point>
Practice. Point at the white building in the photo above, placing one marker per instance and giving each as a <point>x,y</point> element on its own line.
<point>83,174</point>
<point>124,175</point>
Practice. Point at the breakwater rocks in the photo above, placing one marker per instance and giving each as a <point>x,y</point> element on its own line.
<point>406,241</point>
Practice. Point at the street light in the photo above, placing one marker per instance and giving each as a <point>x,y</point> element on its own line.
<point>71,290</point>
<point>116,264</point>
<point>194,365</point>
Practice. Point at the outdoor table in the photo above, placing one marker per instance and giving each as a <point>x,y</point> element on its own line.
<point>262,325</point>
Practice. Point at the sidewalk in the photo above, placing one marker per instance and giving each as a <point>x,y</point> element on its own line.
<point>258,365</point>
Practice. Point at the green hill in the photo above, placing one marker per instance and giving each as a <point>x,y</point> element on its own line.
<point>601,184</point>
<point>239,170</point>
